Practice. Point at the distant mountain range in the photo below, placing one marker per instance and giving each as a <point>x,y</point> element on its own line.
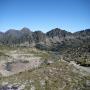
<point>25,37</point>
<point>73,46</point>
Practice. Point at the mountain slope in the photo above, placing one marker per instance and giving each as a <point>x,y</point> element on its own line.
<point>78,43</point>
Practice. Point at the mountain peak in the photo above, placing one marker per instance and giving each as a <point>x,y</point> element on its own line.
<point>25,29</point>
<point>57,32</point>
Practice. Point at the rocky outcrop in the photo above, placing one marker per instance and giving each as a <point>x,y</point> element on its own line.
<point>53,38</point>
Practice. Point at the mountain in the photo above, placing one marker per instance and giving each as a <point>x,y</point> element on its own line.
<point>1,37</point>
<point>83,33</point>
<point>58,32</point>
<point>11,37</point>
<point>39,36</point>
<point>25,30</point>
<point>53,37</point>
<point>72,46</point>
<point>57,35</point>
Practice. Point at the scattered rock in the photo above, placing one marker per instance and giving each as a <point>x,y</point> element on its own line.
<point>32,87</point>
<point>42,82</point>
<point>88,83</point>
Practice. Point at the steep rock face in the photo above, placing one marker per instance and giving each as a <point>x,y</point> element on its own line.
<point>12,32</point>
<point>25,30</point>
<point>27,35</point>
<point>57,35</point>
<point>11,37</point>
<point>58,32</point>
<point>83,33</point>
<point>1,37</point>
<point>39,36</point>
<point>1,34</point>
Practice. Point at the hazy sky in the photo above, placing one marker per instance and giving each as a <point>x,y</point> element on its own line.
<point>71,15</point>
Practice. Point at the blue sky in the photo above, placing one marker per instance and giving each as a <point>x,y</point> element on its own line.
<point>70,15</point>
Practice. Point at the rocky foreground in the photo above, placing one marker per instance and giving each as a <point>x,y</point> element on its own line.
<point>33,69</point>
